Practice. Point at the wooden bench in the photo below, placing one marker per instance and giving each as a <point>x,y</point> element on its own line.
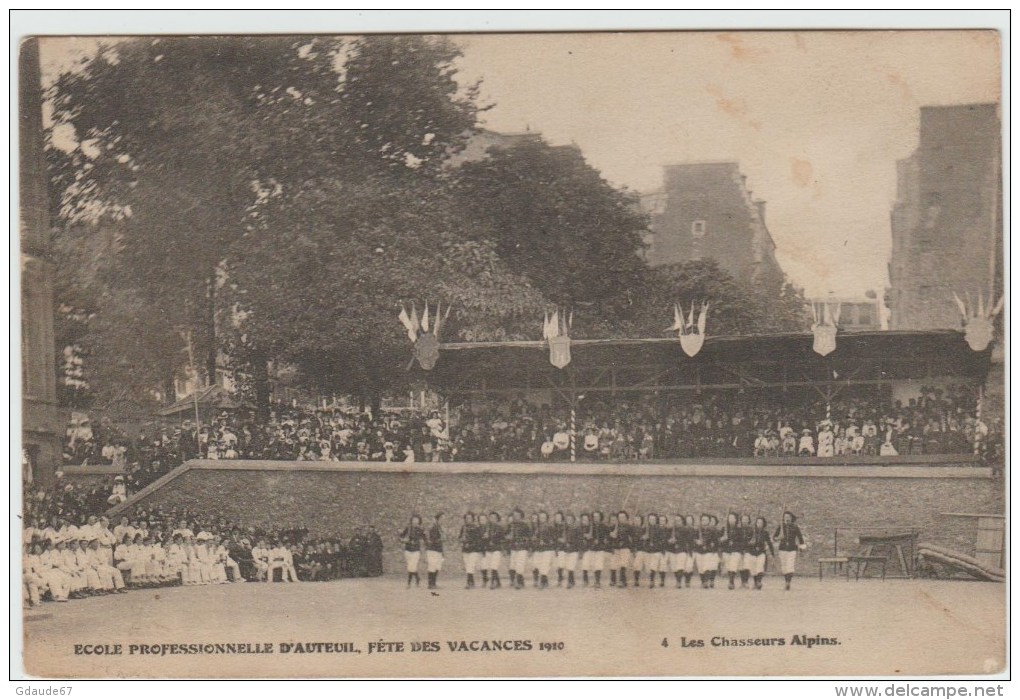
<point>862,561</point>
<point>841,562</point>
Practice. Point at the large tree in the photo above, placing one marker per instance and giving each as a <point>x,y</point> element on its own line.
<point>554,219</point>
<point>187,142</point>
<point>320,286</point>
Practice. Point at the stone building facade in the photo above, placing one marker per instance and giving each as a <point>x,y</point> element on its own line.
<point>947,218</point>
<point>42,425</point>
<point>705,210</point>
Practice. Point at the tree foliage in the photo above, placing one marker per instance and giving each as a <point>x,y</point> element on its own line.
<point>555,220</point>
<point>737,307</point>
<point>281,197</point>
<point>231,163</point>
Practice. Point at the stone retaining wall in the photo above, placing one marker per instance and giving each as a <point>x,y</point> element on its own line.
<point>334,498</point>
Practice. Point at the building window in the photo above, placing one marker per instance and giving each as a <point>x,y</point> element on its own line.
<point>698,228</point>
<point>864,316</point>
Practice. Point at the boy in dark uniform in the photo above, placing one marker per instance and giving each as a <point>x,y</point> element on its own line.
<point>620,538</point>
<point>533,549</point>
<point>614,529</point>
<point>412,538</point>
<point>758,542</point>
<point>643,541</point>
<point>706,551</point>
<point>434,551</point>
<point>492,542</point>
<point>544,543</point>
<point>791,541</point>
<point>744,542</point>
<point>603,548</point>
<point>662,546</point>
<point>518,539</point>
<point>571,546</point>
<point>559,526</point>
<point>730,548</point>
<point>587,539</point>
<point>688,534</point>
<point>676,554</point>
<point>470,546</point>
<point>637,532</point>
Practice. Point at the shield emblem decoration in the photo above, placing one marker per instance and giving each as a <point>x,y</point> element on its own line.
<point>825,338</point>
<point>691,343</point>
<point>426,350</point>
<point>559,351</point>
<point>978,333</point>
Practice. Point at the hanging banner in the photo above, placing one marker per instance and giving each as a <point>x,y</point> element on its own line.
<point>556,330</point>
<point>424,333</point>
<point>978,329</point>
<point>824,328</point>
<point>691,331</point>
<point>559,351</point>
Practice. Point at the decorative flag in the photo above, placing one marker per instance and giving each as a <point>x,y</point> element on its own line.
<point>556,330</point>
<point>691,330</point>
<point>824,328</point>
<point>412,332</point>
<point>426,350</point>
<point>424,333</point>
<point>978,324</point>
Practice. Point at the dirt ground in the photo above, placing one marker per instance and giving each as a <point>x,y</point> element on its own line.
<point>873,627</point>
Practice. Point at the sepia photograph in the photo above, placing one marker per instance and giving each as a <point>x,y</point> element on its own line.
<point>512,355</point>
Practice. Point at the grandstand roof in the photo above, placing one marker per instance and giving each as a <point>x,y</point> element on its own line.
<point>778,359</point>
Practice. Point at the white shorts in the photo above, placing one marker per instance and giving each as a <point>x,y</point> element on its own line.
<point>519,560</point>
<point>434,560</point>
<point>678,561</point>
<point>471,562</point>
<point>542,561</point>
<point>706,562</point>
<point>566,560</point>
<point>492,560</point>
<point>655,561</point>
<point>755,563</point>
<point>731,561</point>
<point>412,559</point>
<point>621,559</point>
<point>787,561</point>
<point>593,561</point>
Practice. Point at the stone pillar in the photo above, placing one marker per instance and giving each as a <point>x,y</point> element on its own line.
<point>42,426</point>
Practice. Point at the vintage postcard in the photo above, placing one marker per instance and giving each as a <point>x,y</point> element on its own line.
<point>512,355</point>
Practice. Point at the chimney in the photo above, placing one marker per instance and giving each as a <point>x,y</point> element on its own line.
<point>760,203</point>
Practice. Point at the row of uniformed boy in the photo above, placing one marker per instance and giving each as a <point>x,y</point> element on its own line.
<point>653,544</point>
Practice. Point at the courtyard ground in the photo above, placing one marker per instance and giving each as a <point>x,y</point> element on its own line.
<point>893,627</point>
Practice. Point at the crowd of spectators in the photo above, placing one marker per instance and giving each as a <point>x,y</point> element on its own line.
<point>863,421</point>
<point>755,423</point>
<point>71,550</point>
<point>79,553</point>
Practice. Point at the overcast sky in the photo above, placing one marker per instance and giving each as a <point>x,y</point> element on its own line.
<point>816,120</point>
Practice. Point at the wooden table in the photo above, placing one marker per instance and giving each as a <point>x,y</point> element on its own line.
<point>899,544</point>
<point>862,561</point>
